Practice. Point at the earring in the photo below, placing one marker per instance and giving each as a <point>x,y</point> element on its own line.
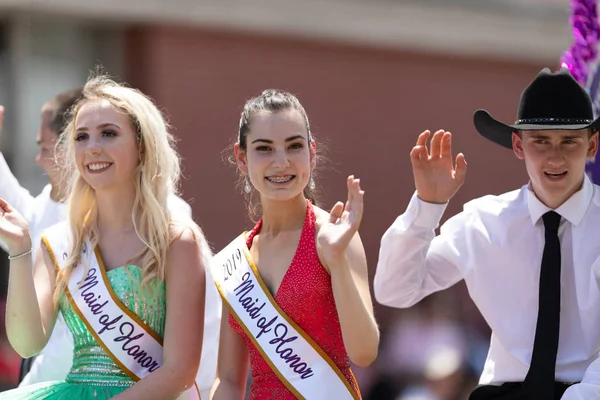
<point>311,184</point>
<point>247,187</point>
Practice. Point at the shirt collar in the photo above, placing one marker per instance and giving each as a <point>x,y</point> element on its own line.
<point>572,210</point>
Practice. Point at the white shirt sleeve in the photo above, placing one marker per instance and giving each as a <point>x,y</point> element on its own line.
<point>179,208</point>
<point>11,191</point>
<point>413,262</point>
<point>589,388</point>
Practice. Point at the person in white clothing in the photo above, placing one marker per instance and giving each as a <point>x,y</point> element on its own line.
<point>530,258</point>
<point>47,209</point>
<point>41,212</point>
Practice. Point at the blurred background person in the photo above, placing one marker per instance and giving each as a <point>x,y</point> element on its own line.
<point>43,211</point>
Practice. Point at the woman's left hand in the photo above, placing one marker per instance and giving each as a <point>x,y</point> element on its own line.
<point>344,220</point>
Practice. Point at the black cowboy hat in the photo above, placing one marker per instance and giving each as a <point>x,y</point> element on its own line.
<point>552,101</point>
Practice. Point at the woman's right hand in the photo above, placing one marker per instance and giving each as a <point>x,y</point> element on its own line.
<point>14,229</point>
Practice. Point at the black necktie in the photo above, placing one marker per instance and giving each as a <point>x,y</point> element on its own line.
<point>540,378</point>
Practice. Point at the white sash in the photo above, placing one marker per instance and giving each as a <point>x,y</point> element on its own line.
<point>125,338</point>
<point>296,359</point>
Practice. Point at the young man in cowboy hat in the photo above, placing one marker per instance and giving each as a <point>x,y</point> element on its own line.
<point>529,257</point>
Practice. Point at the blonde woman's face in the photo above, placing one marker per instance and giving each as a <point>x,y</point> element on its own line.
<point>106,147</point>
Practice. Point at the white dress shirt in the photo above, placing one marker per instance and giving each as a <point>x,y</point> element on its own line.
<point>495,244</point>
<point>55,360</point>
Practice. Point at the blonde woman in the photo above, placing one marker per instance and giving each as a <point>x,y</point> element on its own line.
<point>123,272</point>
<point>47,209</point>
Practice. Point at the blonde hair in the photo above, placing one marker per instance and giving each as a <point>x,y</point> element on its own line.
<point>155,178</point>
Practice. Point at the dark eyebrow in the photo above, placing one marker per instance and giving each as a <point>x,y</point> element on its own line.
<point>547,137</point>
<point>262,141</point>
<point>101,126</point>
<point>287,140</point>
<point>539,136</point>
<point>573,137</point>
<point>294,138</point>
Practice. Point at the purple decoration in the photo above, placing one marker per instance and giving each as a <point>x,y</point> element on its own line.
<point>581,59</point>
<point>586,34</point>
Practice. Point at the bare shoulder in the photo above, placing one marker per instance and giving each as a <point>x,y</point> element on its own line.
<point>182,232</point>
<point>186,247</point>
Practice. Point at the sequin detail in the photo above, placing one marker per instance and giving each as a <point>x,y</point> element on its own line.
<point>93,374</point>
<point>91,364</point>
<point>305,295</point>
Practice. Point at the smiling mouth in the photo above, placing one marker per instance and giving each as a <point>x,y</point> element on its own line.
<point>98,167</point>
<point>555,174</point>
<point>280,179</point>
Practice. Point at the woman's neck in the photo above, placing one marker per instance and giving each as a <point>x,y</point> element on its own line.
<point>280,216</point>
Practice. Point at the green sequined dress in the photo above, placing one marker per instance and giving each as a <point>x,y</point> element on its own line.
<point>94,375</point>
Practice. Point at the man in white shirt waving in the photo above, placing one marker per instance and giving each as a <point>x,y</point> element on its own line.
<point>530,257</point>
<point>47,209</point>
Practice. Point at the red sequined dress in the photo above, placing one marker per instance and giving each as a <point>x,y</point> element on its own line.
<point>305,295</point>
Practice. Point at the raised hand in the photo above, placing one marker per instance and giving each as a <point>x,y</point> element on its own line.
<point>436,177</point>
<point>14,229</point>
<point>344,221</point>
